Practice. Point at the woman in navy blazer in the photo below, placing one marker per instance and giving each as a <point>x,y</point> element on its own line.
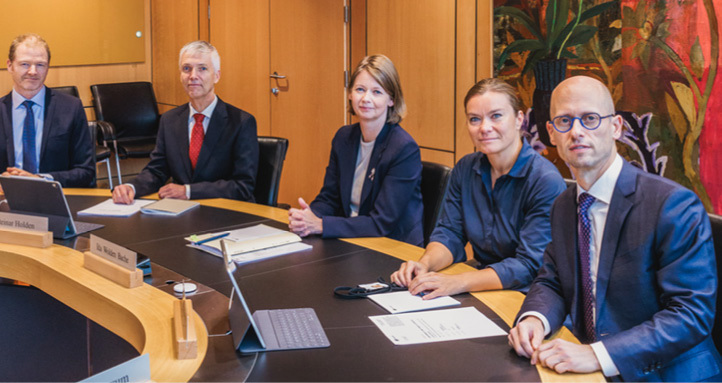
<point>372,186</point>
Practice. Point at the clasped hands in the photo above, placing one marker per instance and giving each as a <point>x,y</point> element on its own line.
<point>124,194</point>
<point>302,221</point>
<point>559,355</point>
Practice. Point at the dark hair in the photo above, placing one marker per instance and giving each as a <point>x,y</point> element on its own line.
<point>498,86</point>
<point>30,38</point>
<point>383,71</point>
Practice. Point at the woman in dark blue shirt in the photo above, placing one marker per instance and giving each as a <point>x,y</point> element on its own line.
<point>372,186</point>
<point>499,200</point>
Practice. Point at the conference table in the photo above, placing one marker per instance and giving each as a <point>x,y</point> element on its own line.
<point>77,323</point>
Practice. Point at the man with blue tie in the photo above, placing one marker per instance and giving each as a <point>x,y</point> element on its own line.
<point>207,147</point>
<point>44,133</point>
<point>631,260</point>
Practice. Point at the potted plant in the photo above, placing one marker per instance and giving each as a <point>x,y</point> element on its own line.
<point>550,47</point>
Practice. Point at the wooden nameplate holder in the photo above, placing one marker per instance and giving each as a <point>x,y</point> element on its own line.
<point>118,274</point>
<point>26,237</point>
<point>186,341</point>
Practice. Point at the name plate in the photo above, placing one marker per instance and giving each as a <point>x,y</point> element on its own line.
<point>23,222</point>
<point>113,253</point>
<point>134,370</point>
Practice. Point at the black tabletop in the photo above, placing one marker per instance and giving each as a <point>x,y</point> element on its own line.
<point>358,351</point>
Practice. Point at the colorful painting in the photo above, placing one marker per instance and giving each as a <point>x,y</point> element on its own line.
<point>659,60</point>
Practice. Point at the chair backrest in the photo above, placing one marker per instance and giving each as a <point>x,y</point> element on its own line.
<point>71,90</point>
<point>271,154</point>
<point>716,222</point>
<point>93,127</point>
<point>570,182</point>
<point>434,183</point>
<point>130,106</point>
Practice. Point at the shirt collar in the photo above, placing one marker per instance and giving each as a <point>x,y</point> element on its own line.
<point>603,188</point>
<point>208,112</point>
<point>39,98</point>
<point>519,169</point>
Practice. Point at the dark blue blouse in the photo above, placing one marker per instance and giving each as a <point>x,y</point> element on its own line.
<point>508,226</point>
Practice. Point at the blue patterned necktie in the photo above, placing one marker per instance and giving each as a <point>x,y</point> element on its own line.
<point>584,233</point>
<point>29,157</point>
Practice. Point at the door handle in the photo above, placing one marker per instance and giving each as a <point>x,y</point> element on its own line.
<point>277,76</point>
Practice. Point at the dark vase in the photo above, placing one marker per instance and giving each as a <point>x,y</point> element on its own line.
<point>548,74</point>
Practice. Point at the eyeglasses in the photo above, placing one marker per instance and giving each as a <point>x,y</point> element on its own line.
<point>589,121</point>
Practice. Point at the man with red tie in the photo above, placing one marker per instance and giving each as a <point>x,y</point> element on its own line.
<point>207,147</point>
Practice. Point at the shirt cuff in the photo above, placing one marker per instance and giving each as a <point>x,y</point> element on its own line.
<point>188,191</point>
<point>541,317</point>
<point>46,176</point>
<point>609,369</point>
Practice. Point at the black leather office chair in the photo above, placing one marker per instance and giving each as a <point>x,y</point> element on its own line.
<point>71,90</point>
<point>271,154</point>
<point>102,151</point>
<point>434,183</point>
<point>716,222</point>
<point>132,109</point>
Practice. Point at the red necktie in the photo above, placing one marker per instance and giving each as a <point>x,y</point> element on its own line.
<point>196,139</point>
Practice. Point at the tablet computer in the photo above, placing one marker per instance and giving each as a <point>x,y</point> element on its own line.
<point>45,198</point>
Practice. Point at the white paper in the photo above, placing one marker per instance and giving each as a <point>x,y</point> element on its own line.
<point>402,302</point>
<point>436,326</point>
<point>109,209</point>
<point>259,254</point>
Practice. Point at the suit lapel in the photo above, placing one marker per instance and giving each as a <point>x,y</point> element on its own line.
<point>347,166</point>
<point>7,121</point>
<point>49,112</point>
<point>179,135</point>
<point>619,208</point>
<point>379,148</point>
<point>218,122</point>
<point>569,264</point>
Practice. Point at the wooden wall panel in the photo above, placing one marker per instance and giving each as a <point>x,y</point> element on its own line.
<point>86,75</point>
<point>175,23</point>
<point>466,24</point>
<point>418,36</point>
<point>445,158</point>
<point>307,46</point>
<point>485,39</point>
<point>240,31</point>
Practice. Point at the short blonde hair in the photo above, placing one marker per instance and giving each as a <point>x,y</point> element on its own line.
<point>383,71</point>
<point>30,38</point>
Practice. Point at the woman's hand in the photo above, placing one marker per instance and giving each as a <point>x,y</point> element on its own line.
<point>303,222</point>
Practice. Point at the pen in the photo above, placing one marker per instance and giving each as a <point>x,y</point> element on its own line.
<point>212,238</point>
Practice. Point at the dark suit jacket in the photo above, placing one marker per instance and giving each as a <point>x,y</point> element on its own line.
<point>66,151</point>
<point>391,203</point>
<point>656,282</point>
<point>227,163</point>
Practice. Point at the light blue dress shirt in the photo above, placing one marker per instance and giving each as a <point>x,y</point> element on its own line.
<point>19,113</point>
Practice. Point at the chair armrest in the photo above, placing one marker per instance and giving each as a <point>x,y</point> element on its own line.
<point>107,131</point>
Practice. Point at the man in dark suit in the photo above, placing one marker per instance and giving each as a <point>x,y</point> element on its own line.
<point>208,148</point>
<point>44,133</point>
<point>631,260</point>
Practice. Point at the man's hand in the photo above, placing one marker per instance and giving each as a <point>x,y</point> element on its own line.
<point>19,172</point>
<point>174,191</point>
<point>437,285</point>
<point>407,272</point>
<point>123,194</point>
<point>303,222</point>
<point>562,356</point>
<point>526,337</point>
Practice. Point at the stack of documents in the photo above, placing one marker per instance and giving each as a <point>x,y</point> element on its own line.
<point>169,206</point>
<point>109,209</point>
<point>249,244</point>
<point>403,302</point>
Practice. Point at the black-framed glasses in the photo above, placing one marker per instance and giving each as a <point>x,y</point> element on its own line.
<point>589,121</point>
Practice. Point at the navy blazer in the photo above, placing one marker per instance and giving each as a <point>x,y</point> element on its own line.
<point>66,151</point>
<point>656,282</point>
<point>227,163</point>
<point>391,204</point>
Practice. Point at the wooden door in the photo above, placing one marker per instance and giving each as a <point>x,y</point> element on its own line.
<point>308,48</point>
